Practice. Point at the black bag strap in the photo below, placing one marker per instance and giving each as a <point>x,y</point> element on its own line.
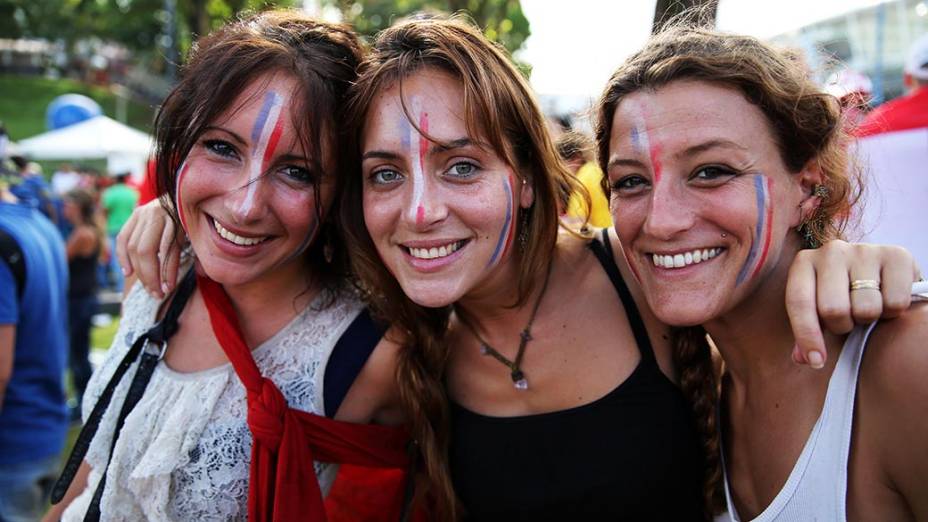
<point>12,255</point>
<point>156,335</point>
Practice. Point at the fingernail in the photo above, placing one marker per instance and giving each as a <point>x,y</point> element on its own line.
<point>164,287</point>
<point>816,360</point>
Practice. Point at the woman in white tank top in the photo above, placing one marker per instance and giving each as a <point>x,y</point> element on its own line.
<point>724,162</point>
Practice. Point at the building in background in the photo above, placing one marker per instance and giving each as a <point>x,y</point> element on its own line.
<point>873,40</point>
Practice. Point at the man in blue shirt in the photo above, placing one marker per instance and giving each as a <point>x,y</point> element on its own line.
<point>33,356</point>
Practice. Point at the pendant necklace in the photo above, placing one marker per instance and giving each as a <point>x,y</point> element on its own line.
<point>518,376</point>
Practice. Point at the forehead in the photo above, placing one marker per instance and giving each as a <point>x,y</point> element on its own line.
<point>682,113</point>
<point>251,99</point>
<point>430,95</point>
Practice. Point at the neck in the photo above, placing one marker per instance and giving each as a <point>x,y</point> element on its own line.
<point>266,305</point>
<point>755,338</point>
<point>489,309</point>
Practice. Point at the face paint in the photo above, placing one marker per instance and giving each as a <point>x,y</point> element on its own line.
<point>762,230</point>
<point>306,241</point>
<point>505,235</point>
<point>264,137</point>
<point>642,143</point>
<point>180,208</point>
<point>418,165</point>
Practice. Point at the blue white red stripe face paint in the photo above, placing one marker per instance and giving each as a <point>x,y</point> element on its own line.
<point>643,143</point>
<point>416,142</point>
<point>763,228</point>
<point>506,233</point>
<point>265,136</point>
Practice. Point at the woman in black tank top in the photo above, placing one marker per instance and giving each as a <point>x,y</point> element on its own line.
<point>83,247</point>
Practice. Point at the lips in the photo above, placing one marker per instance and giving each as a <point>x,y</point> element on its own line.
<point>683,259</point>
<point>234,238</point>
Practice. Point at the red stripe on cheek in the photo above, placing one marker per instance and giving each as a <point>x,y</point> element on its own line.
<point>767,233</point>
<point>512,227</point>
<point>180,206</point>
<point>272,143</point>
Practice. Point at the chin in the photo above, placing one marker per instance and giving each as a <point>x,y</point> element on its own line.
<point>680,314</point>
<point>429,295</point>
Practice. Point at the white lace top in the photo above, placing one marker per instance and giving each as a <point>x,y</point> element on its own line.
<point>184,451</point>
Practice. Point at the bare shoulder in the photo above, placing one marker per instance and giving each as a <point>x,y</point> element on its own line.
<point>893,391</point>
<point>374,396</point>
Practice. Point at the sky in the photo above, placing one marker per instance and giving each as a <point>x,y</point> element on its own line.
<point>575,44</point>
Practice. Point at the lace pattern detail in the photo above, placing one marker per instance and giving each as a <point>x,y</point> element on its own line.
<point>184,450</point>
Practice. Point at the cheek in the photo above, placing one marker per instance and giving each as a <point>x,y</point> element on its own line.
<point>628,216</point>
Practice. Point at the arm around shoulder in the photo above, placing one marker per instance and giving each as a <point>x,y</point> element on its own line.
<point>894,389</point>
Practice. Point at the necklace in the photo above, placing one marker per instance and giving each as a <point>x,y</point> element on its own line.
<point>515,367</point>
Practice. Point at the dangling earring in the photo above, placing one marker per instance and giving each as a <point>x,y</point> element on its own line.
<point>814,223</point>
<point>523,232</point>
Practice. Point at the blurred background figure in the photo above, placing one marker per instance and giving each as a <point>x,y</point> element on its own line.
<point>65,179</point>
<point>30,187</point>
<point>576,151</point>
<point>84,246</point>
<point>893,148</point>
<point>853,90</point>
<point>33,348</point>
<point>117,202</point>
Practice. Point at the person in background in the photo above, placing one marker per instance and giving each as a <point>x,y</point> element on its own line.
<point>33,351</point>
<point>576,151</point>
<point>65,179</point>
<point>853,90</point>
<point>892,147</point>
<point>83,247</point>
<point>32,188</point>
<point>117,202</point>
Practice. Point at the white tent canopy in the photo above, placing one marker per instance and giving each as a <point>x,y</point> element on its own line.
<point>124,148</point>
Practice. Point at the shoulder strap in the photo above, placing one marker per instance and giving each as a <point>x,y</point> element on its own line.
<point>603,252</point>
<point>157,334</point>
<point>12,255</point>
<point>350,354</point>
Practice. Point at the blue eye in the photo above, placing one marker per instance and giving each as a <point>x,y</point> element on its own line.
<point>299,174</point>
<point>713,173</point>
<point>630,184</point>
<point>220,148</point>
<point>462,169</point>
<point>386,177</point>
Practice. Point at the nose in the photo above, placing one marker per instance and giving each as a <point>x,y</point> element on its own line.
<point>425,203</point>
<point>670,210</point>
<point>248,200</point>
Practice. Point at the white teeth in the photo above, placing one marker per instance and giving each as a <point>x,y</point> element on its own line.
<point>684,259</point>
<point>435,252</point>
<point>235,238</point>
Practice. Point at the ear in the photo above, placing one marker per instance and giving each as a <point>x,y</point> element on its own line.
<point>810,179</point>
<point>526,193</point>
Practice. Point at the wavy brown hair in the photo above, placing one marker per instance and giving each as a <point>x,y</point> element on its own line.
<point>807,126</point>
<point>321,57</point>
<point>500,108</point>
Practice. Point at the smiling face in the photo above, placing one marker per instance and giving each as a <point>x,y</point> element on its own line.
<point>701,199</point>
<point>245,191</point>
<point>441,215</point>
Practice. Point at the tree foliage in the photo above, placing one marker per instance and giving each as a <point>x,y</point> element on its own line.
<point>501,20</point>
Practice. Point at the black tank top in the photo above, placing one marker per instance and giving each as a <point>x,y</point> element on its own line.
<point>82,274</point>
<point>633,454</point>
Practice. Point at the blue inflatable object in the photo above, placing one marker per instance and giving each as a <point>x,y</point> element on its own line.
<point>69,109</point>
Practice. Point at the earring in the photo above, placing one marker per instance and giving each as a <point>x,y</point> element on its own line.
<point>523,232</point>
<point>811,227</point>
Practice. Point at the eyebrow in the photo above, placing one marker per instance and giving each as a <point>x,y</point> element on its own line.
<point>435,148</point>
<point>708,145</point>
<point>234,136</point>
<point>624,162</point>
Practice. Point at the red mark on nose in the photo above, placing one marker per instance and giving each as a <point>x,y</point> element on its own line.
<point>420,215</point>
<point>655,154</point>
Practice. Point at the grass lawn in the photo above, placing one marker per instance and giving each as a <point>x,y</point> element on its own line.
<point>25,99</point>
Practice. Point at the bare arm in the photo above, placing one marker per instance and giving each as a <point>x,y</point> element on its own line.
<point>893,394</point>
<point>7,347</point>
<point>78,485</point>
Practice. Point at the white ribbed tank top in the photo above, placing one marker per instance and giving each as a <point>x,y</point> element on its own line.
<point>817,487</point>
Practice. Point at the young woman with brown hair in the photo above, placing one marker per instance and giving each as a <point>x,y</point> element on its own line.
<point>755,172</point>
<point>264,338</point>
<point>553,397</point>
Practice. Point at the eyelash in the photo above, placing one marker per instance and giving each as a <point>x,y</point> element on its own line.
<point>220,148</point>
<point>472,173</point>
<point>721,172</point>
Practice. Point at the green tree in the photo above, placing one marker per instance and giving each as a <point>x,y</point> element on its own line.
<point>501,20</point>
